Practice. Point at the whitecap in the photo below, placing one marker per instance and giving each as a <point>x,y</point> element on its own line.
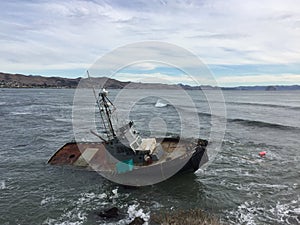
<point>134,212</point>
<point>297,211</point>
<point>20,113</point>
<point>115,192</point>
<point>63,120</point>
<point>249,212</point>
<point>101,196</point>
<point>73,217</point>
<point>2,185</point>
<point>160,104</point>
<point>245,213</point>
<point>47,200</point>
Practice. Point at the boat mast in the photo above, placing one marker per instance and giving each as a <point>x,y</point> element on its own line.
<point>104,106</point>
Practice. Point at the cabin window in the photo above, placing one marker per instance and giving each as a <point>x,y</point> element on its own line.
<point>139,141</point>
<point>135,145</point>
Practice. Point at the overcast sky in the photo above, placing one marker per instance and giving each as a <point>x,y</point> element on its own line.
<point>241,42</point>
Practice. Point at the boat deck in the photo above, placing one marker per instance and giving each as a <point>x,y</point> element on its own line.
<point>94,154</point>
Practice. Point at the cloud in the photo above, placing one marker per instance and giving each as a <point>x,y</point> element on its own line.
<point>163,78</point>
<point>286,79</point>
<point>225,81</point>
<point>43,35</point>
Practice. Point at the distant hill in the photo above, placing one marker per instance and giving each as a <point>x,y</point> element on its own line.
<point>29,81</point>
<point>22,81</point>
<point>32,81</point>
<point>265,88</point>
<point>8,80</point>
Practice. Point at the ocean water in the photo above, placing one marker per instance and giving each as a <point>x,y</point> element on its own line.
<point>238,186</point>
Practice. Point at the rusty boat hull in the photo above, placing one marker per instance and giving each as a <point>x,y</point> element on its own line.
<point>179,156</point>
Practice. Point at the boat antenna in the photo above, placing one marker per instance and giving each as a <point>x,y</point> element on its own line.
<point>105,112</point>
<point>92,85</point>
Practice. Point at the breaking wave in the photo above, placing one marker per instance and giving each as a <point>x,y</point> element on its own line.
<point>264,105</point>
<point>160,104</point>
<point>88,203</point>
<point>20,113</point>
<point>2,185</point>
<point>256,123</point>
<point>249,213</point>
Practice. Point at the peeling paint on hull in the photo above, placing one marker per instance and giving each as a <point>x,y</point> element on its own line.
<point>94,155</point>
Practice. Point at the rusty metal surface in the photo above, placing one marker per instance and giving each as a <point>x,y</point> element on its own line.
<point>71,152</point>
<point>93,154</point>
<point>67,154</point>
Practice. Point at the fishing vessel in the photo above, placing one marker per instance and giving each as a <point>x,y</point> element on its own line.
<point>123,156</point>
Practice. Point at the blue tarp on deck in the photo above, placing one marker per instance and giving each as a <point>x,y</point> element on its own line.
<point>124,166</point>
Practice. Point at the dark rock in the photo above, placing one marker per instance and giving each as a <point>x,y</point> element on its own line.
<point>110,213</point>
<point>137,221</point>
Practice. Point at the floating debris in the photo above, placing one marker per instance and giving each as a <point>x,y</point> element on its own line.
<point>262,154</point>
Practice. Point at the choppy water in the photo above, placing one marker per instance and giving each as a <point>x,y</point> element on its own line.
<point>238,186</point>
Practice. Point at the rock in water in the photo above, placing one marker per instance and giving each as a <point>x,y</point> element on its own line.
<point>137,221</point>
<point>109,213</point>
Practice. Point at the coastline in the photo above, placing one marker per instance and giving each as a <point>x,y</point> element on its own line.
<point>29,81</point>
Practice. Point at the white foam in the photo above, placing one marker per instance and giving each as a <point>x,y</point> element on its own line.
<point>160,104</point>
<point>248,187</point>
<point>282,213</point>
<point>115,192</point>
<point>88,197</point>
<point>134,212</point>
<point>69,218</point>
<point>103,195</point>
<point>64,120</point>
<point>246,214</point>
<point>20,113</point>
<point>2,185</point>
<point>297,211</point>
<point>78,214</point>
<point>47,200</point>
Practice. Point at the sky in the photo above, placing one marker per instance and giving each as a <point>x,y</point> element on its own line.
<point>241,42</point>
